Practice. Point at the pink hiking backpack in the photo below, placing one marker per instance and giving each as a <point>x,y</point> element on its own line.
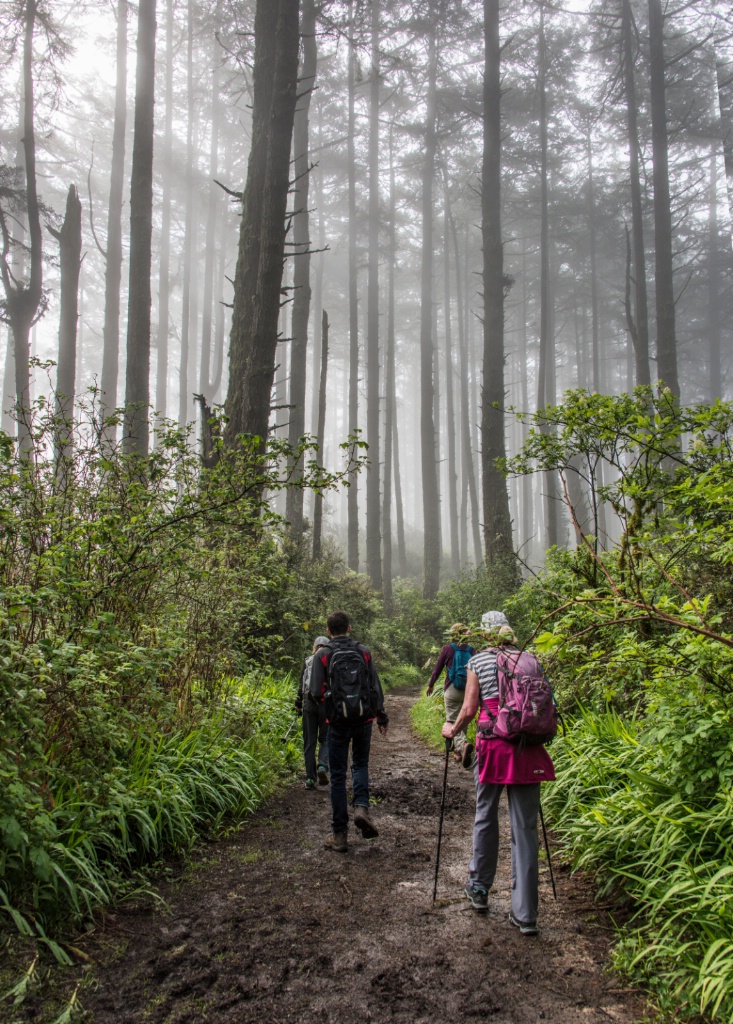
<point>527,711</point>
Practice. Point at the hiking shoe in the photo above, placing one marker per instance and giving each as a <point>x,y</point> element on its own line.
<point>364,823</point>
<point>479,898</point>
<point>310,783</point>
<point>525,927</point>
<point>336,841</point>
<point>322,775</point>
<point>468,756</point>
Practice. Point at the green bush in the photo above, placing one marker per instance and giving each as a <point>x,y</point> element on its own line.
<point>647,808</point>
<point>638,640</point>
<point>71,838</point>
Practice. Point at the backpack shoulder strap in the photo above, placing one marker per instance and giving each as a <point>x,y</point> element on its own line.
<point>480,697</point>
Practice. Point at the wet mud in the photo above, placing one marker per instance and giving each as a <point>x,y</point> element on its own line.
<point>267,926</point>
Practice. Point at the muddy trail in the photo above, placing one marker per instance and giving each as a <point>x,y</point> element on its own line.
<point>268,927</point>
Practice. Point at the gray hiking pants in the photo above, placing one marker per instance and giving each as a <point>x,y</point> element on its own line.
<point>315,731</point>
<point>524,805</point>
<point>453,700</point>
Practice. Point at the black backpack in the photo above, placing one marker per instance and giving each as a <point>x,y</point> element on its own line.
<point>349,695</point>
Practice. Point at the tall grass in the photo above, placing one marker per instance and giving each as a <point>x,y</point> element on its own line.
<point>158,793</point>
<point>427,716</point>
<point>624,818</point>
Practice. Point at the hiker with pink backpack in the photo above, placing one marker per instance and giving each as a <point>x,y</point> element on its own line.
<point>517,717</point>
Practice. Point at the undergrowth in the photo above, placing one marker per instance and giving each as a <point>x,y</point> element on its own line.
<point>618,810</point>
<point>160,790</point>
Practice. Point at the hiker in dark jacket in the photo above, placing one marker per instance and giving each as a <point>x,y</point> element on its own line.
<point>344,732</point>
<point>502,763</point>
<point>315,727</point>
<point>452,696</point>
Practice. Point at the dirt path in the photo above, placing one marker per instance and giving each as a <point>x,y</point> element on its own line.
<point>270,927</point>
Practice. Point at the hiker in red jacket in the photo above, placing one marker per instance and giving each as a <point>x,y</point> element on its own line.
<point>501,763</point>
<point>457,650</point>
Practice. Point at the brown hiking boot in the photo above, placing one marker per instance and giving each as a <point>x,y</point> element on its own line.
<point>336,841</point>
<point>364,823</point>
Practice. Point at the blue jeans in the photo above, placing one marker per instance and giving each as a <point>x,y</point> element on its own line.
<point>359,736</point>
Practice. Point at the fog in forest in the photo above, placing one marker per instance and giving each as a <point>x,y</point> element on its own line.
<point>488,205</point>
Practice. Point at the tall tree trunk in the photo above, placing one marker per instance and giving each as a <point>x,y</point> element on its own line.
<point>69,239</point>
<point>641,346</point>
<point>18,264</point>
<point>390,397</point>
<point>137,377</point>
<point>373,497</point>
<point>23,299</point>
<point>353,494</point>
<point>527,504</point>
<point>302,260</point>
<point>664,276</point>
<point>258,277</point>
<point>595,325</point>
<point>469,402</point>
<point>449,403</point>
<point>189,244</point>
<point>714,311</point>
<point>7,422</point>
<point>321,434</point>
<point>219,324</point>
<point>207,315</point>
<point>113,262</point>
<point>163,334</point>
<point>399,506</point>
<point>498,543</point>
<point>724,75</point>
<point>546,373</point>
<point>318,287</point>
<point>431,512</point>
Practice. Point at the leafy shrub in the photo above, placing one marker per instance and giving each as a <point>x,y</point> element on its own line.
<point>647,807</point>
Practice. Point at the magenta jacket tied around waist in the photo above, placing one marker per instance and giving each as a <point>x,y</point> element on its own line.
<point>504,763</point>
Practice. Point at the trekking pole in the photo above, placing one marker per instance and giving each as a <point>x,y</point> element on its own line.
<point>448,745</point>
<point>547,847</point>
<point>284,739</point>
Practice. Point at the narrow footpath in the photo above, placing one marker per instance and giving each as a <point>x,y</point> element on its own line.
<point>266,926</point>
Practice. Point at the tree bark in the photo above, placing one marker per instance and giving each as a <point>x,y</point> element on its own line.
<point>373,497</point>
<point>498,542</point>
<point>595,324</point>
<point>390,396</point>
<point>664,274</point>
<point>301,260</point>
<point>113,261</point>
<point>641,346</point>
<point>527,519</point>
<point>724,76</point>
<point>23,299</point>
<point>546,372</point>
<point>190,228</point>
<point>353,493</point>
<point>449,402</point>
<point>137,377</point>
<point>321,434</point>
<point>714,311</point>
<point>206,384</point>
<point>163,333</point>
<point>259,272</point>
<point>431,513</point>
<point>69,239</point>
